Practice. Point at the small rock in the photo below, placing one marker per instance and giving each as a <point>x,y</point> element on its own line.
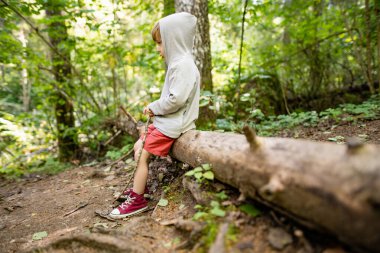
<point>20,240</point>
<point>160,176</point>
<point>110,178</point>
<point>278,238</point>
<point>244,245</point>
<point>298,233</point>
<point>100,228</point>
<point>2,226</point>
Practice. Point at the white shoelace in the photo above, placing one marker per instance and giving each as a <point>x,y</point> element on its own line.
<point>127,202</point>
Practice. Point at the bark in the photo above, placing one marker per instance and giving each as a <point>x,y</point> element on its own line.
<point>325,186</point>
<point>377,18</point>
<point>202,48</point>
<point>368,45</point>
<point>64,109</point>
<point>24,72</point>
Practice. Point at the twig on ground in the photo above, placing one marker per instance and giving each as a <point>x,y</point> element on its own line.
<point>81,205</point>
<point>219,246</point>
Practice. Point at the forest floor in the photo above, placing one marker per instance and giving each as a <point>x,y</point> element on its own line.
<point>63,207</point>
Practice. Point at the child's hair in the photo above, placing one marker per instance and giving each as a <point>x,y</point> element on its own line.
<point>156,35</point>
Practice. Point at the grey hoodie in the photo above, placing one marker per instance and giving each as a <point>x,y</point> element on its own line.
<point>178,106</point>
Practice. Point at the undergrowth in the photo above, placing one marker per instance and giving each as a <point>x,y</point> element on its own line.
<point>269,125</point>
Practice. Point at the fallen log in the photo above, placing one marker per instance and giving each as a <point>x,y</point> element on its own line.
<point>325,186</point>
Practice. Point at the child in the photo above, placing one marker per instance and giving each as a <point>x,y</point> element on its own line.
<point>176,110</point>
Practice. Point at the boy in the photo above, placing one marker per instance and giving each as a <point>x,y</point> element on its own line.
<point>176,110</point>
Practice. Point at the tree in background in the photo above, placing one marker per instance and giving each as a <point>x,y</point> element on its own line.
<point>61,68</point>
<point>201,51</point>
<point>202,48</point>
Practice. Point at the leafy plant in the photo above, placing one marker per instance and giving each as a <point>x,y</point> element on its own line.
<point>250,210</point>
<point>201,173</point>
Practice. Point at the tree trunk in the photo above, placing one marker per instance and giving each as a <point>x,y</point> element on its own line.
<point>325,186</point>
<point>201,50</point>
<point>64,110</point>
<point>377,18</point>
<point>24,73</point>
<point>368,45</point>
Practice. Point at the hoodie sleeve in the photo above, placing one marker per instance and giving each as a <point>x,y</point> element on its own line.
<point>181,83</point>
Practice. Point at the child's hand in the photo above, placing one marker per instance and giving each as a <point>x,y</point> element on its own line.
<point>148,111</point>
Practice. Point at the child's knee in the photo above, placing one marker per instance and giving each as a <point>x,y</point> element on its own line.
<point>137,146</point>
<point>136,154</point>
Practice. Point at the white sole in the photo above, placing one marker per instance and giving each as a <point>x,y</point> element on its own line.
<point>121,216</point>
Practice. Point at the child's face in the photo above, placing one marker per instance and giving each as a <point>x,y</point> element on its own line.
<point>160,49</point>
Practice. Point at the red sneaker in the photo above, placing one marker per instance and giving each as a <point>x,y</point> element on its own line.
<point>127,192</point>
<point>134,204</point>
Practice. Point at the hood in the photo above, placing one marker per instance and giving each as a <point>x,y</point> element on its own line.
<point>177,34</point>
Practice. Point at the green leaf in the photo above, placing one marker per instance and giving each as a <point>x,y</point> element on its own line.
<point>206,166</point>
<point>39,235</point>
<point>190,173</point>
<point>218,212</point>
<point>198,169</point>
<point>203,103</point>
<point>198,206</point>
<point>208,175</point>
<point>221,195</point>
<point>214,203</point>
<point>199,215</point>
<point>250,210</point>
<point>163,202</point>
<point>198,175</point>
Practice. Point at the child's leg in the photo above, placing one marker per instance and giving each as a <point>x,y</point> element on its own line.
<point>141,174</point>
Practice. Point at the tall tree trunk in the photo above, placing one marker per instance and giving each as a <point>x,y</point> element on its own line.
<point>368,45</point>
<point>24,73</point>
<point>201,50</point>
<point>114,62</point>
<point>64,109</point>
<point>377,18</point>
<point>313,54</point>
<point>2,69</point>
<point>357,45</point>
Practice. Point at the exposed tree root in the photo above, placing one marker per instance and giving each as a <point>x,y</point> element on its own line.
<point>93,243</point>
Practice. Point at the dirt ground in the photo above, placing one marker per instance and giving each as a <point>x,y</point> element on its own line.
<point>64,207</point>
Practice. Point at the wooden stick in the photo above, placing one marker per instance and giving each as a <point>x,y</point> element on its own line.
<point>112,138</point>
<point>76,209</point>
<point>121,158</point>
<point>128,114</point>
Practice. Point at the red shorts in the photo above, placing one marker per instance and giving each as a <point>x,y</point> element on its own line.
<point>156,142</point>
